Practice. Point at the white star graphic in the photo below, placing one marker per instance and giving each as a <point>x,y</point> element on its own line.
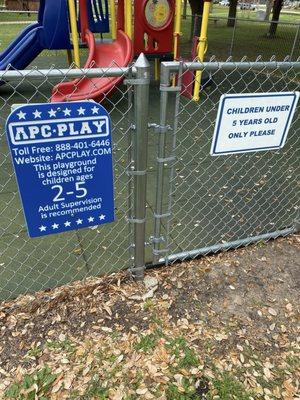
<point>81,111</point>
<point>42,228</point>
<point>67,223</point>
<point>37,114</point>
<point>95,110</point>
<point>79,221</point>
<point>91,219</point>
<point>21,115</point>
<point>101,217</point>
<point>55,226</point>
<point>67,112</point>
<point>52,113</point>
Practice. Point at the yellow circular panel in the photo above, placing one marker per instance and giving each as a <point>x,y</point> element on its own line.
<point>157,13</point>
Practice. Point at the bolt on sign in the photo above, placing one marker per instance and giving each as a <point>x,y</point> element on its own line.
<point>62,156</point>
<point>253,122</point>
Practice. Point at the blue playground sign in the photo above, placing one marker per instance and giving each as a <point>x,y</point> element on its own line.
<point>62,156</point>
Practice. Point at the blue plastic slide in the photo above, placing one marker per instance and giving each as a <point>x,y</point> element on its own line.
<point>50,32</point>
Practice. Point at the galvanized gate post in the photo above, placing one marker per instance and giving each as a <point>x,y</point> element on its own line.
<point>165,161</point>
<point>140,149</point>
<point>157,239</point>
<point>295,42</point>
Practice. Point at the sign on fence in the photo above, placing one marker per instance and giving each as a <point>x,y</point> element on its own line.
<point>253,122</point>
<point>62,156</point>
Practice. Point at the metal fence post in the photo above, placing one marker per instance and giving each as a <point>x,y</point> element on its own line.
<point>140,150</point>
<point>232,38</point>
<point>157,239</point>
<point>297,222</point>
<point>165,160</point>
<point>295,42</point>
<point>184,12</point>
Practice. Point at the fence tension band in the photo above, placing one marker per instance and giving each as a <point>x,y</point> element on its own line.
<point>137,81</point>
<point>166,159</point>
<point>138,173</point>
<point>166,215</point>
<point>161,239</point>
<point>136,220</point>
<point>161,251</point>
<point>162,129</point>
<point>164,88</point>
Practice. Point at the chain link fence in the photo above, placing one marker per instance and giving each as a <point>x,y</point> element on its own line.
<point>173,200</point>
<point>206,204</point>
<point>283,44</point>
<point>244,38</point>
<point>28,265</point>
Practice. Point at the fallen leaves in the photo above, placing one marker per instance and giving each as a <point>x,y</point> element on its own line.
<point>272,311</point>
<point>88,333</point>
<point>220,336</point>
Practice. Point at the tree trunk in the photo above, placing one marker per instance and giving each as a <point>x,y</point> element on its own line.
<point>184,9</point>
<point>232,13</point>
<point>269,5</point>
<point>196,6</point>
<point>275,17</point>
<point>197,11</point>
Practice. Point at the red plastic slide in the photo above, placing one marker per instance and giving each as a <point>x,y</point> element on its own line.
<point>102,55</point>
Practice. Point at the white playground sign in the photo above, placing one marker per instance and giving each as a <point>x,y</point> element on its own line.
<point>253,122</point>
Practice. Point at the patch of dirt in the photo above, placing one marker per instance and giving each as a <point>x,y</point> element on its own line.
<point>232,308</point>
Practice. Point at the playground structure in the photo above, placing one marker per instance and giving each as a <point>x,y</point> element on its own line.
<point>212,204</point>
<point>152,27</point>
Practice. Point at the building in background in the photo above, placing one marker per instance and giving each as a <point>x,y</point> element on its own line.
<point>22,5</point>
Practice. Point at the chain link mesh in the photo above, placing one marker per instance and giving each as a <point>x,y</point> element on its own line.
<point>195,203</point>
<point>28,265</point>
<point>245,37</point>
<point>223,202</point>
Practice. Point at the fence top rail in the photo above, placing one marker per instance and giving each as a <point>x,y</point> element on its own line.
<point>6,11</point>
<point>211,17</point>
<point>237,19</point>
<point>168,67</point>
<point>53,73</point>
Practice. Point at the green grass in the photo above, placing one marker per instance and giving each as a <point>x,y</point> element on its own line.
<point>186,356</point>
<point>250,37</point>
<point>17,17</point>
<point>37,385</point>
<point>146,343</point>
<point>221,11</point>
<point>8,33</point>
<point>94,391</point>
<point>173,393</point>
<point>148,305</point>
<point>34,352</point>
<point>223,387</point>
<point>227,387</point>
<point>215,385</point>
<point>59,346</point>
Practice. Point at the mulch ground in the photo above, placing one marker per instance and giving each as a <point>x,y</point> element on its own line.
<point>224,326</point>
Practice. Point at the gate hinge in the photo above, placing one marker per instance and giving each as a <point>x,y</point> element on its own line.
<point>160,128</point>
<point>153,239</point>
<point>137,81</point>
